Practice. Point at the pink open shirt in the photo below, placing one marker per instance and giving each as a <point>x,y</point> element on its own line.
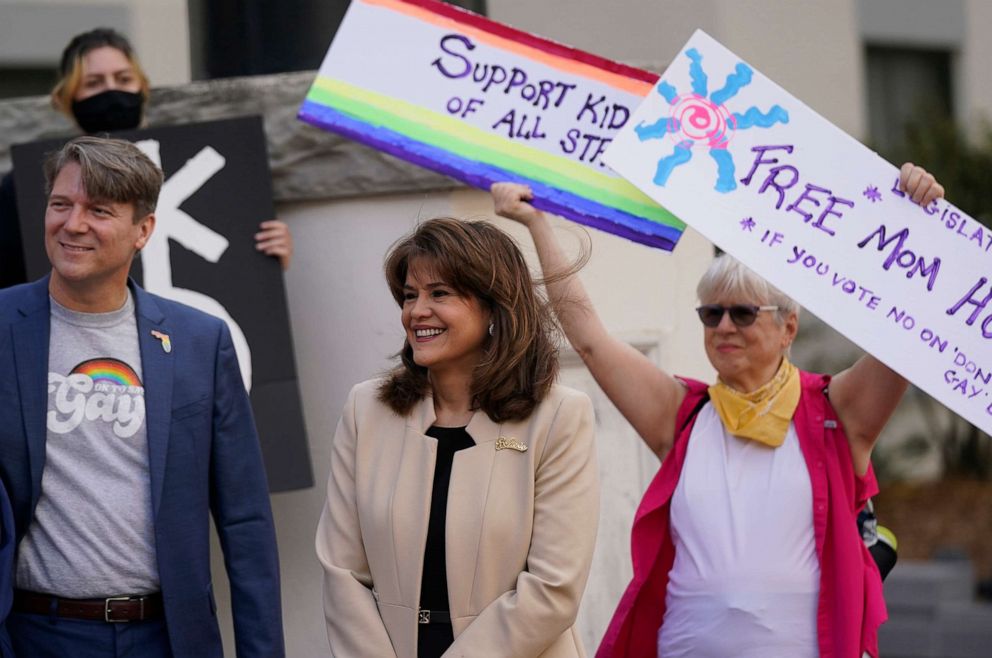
<point>850,607</point>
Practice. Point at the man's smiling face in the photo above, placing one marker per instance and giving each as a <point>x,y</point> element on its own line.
<point>90,242</point>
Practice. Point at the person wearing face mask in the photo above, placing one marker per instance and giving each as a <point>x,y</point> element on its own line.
<point>102,89</point>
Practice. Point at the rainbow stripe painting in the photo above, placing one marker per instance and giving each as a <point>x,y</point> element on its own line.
<point>109,371</point>
<point>483,102</point>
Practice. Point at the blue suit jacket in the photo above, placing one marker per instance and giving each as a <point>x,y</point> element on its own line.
<point>203,454</point>
<point>8,544</point>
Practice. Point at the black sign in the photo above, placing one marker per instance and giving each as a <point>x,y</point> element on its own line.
<point>217,190</point>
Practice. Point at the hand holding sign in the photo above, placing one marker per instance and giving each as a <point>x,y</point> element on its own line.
<point>512,200</point>
<point>921,187</point>
<point>823,218</point>
<point>274,239</point>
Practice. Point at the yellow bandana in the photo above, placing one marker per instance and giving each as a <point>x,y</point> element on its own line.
<point>763,415</point>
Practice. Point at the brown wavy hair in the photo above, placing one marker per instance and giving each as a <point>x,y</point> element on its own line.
<point>520,361</point>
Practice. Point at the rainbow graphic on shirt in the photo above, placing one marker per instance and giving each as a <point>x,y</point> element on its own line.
<point>482,102</point>
<point>103,391</point>
<point>108,371</point>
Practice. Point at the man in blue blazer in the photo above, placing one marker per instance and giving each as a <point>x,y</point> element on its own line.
<point>124,422</point>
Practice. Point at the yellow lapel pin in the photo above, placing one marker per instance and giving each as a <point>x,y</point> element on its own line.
<point>503,443</point>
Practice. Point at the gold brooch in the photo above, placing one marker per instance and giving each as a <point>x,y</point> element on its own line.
<point>510,443</point>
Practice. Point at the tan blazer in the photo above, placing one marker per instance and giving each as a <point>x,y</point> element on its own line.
<point>520,529</point>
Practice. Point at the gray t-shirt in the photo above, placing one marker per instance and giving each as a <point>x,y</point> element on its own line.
<point>92,534</point>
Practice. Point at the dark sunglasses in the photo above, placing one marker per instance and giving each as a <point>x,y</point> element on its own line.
<point>742,315</point>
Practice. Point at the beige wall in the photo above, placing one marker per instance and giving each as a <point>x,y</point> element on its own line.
<point>974,77</point>
<point>160,33</point>
<point>642,32</point>
<point>34,32</point>
<point>809,47</point>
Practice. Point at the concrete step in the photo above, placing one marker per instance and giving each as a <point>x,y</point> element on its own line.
<point>919,587</point>
<point>933,613</point>
<point>964,630</point>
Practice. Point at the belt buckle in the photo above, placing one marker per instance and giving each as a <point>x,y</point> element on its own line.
<point>423,616</point>
<point>106,608</point>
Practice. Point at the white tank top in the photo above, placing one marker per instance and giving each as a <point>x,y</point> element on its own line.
<point>746,578</point>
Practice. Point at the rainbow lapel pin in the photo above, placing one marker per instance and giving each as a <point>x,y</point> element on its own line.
<point>503,443</point>
<point>164,338</point>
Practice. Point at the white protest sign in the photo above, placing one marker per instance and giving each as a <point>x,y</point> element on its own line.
<point>483,102</point>
<point>820,216</point>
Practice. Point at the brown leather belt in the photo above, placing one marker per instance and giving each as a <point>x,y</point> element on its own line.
<point>113,609</point>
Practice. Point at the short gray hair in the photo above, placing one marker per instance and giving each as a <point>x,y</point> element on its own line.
<point>113,170</point>
<point>727,276</point>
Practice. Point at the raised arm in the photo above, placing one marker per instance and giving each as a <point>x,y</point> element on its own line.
<point>866,394</point>
<point>647,396</point>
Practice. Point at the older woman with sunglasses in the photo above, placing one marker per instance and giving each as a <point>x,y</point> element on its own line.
<point>745,543</point>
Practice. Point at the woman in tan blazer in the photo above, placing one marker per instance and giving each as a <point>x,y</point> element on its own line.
<point>462,501</point>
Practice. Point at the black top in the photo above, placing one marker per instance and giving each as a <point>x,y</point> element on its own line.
<point>11,255</point>
<point>434,639</point>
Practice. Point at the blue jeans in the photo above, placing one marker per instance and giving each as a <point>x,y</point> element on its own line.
<point>45,636</point>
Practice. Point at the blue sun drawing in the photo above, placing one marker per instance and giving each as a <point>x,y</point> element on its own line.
<point>701,119</point>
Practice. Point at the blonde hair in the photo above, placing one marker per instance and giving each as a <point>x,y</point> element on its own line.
<point>71,66</point>
<point>727,276</point>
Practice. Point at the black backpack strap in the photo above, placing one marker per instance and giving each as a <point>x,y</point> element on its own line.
<point>695,412</point>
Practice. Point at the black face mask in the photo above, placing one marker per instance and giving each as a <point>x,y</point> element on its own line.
<point>109,111</point>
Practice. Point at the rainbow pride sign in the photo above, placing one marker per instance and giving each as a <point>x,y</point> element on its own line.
<point>482,102</point>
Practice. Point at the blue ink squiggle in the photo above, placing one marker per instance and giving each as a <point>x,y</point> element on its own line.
<point>740,78</point>
<point>754,117</point>
<point>725,181</point>
<point>668,92</point>
<point>680,156</point>
<point>656,130</point>
<point>699,80</point>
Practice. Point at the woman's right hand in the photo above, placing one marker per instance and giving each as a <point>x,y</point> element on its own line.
<point>510,200</point>
<point>647,397</point>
